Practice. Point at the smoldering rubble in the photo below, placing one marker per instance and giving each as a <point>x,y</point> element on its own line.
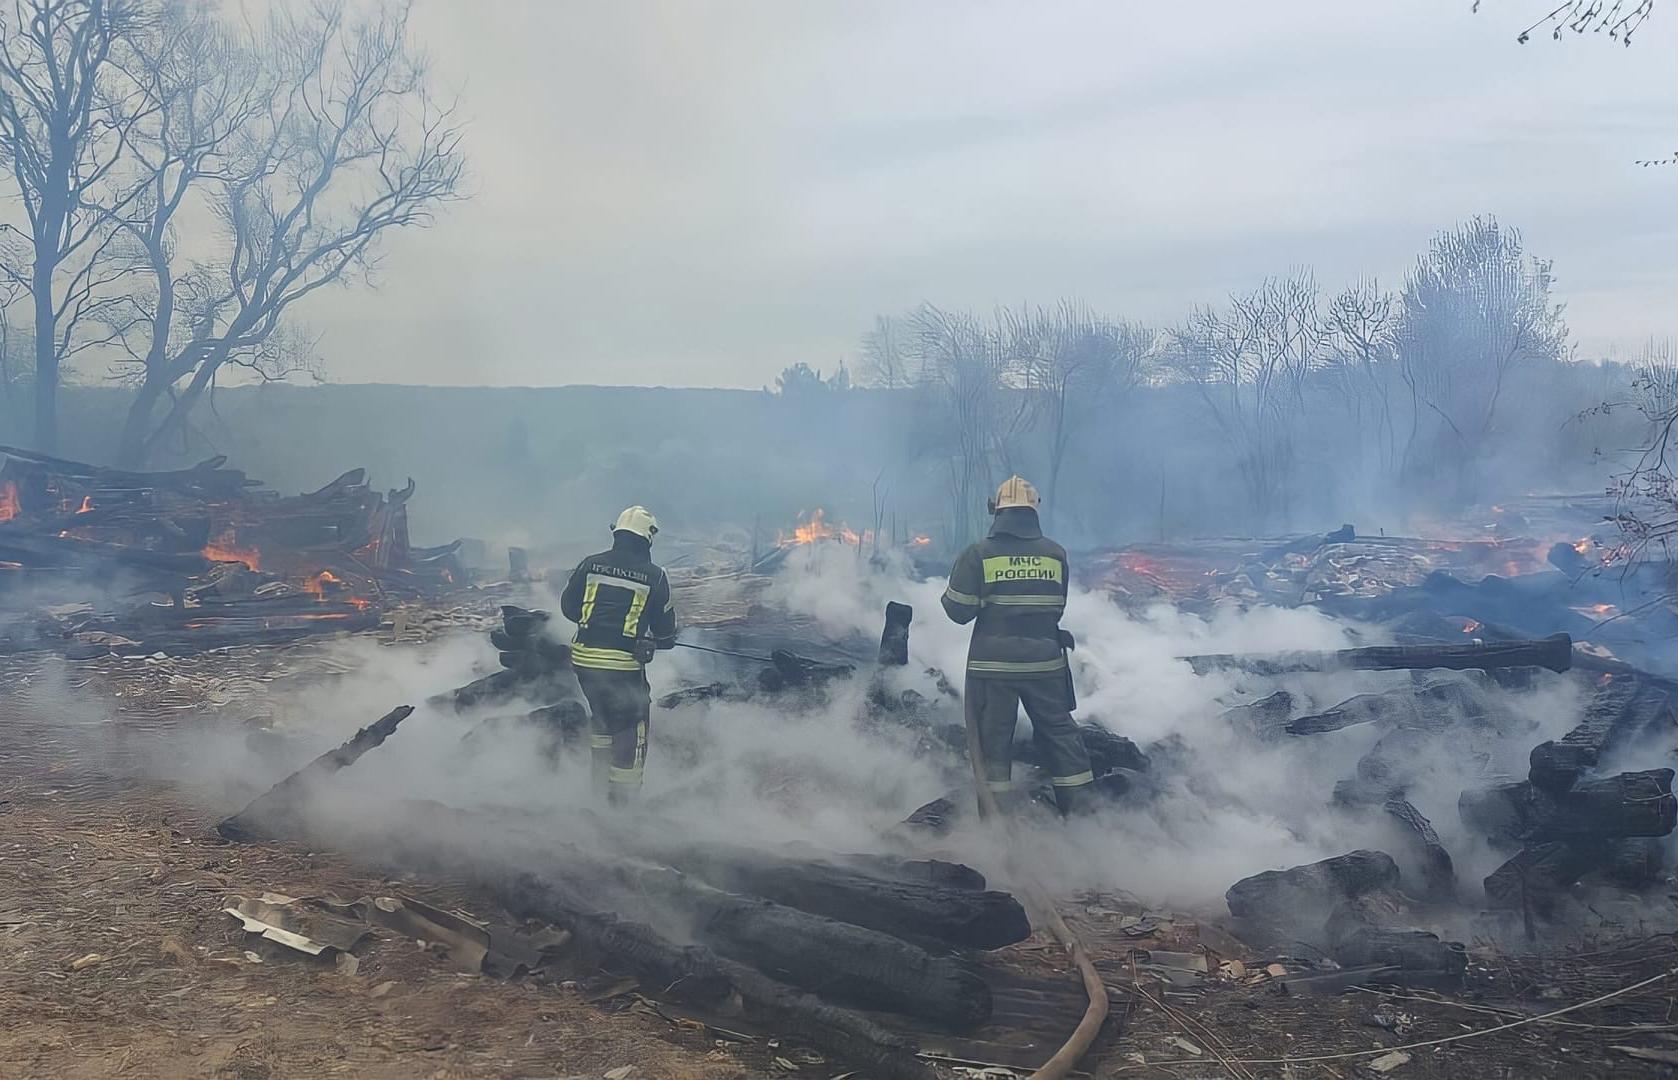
<point>1363,803</point>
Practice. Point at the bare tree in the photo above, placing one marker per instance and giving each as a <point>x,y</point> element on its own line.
<point>1476,315</point>
<point>1251,365</point>
<point>68,106</point>
<point>308,144</point>
<point>1362,323</point>
<point>1076,368</point>
<point>885,360</point>
<point>973,388</point>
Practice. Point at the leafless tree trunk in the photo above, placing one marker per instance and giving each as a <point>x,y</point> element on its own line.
<point>67,107</point>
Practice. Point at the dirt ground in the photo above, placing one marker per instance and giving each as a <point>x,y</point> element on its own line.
<point>117,960</point>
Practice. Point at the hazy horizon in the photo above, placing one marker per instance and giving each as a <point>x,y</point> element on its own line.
<point>702,195</point>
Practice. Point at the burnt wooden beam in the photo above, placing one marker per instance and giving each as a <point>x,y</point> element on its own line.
<point>1554,652</point>
<point>913,910</point>
<point>698,973</point>
<point>275,813</point>
<point>1630,804</point>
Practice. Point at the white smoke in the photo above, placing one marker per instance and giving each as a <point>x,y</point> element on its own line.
<point>823,771</point>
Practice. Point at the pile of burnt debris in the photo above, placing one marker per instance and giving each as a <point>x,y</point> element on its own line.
<point>843,951</point>
<point>1580,831</point>
<point>96,560</point>
<point>1556,564</point>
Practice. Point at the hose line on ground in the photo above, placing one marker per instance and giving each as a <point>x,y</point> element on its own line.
<point>1060,1064</point>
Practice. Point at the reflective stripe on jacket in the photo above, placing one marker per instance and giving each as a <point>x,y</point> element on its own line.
<point>1012,585</point>
<point>616,598</point>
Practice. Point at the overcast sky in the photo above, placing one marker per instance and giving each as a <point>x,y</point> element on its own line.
<point>700,193</point>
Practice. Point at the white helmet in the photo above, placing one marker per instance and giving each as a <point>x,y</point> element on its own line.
<point>638,520</point>
<point>1015,492</point>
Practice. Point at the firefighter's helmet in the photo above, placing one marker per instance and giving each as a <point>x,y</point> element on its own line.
<point>1015,493</point>
<point>638,520</point>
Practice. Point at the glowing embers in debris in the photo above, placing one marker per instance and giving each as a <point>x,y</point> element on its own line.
<point>225,548</point>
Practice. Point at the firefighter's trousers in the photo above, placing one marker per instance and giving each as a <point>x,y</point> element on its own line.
<point>619,705</point>
<point>993,709</point>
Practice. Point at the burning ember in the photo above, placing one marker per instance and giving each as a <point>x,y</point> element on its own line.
<point>815,528</point>
<point>1470,626</point>
<point>9,507</point>
<point>327,585</point>
<point>223,549</point>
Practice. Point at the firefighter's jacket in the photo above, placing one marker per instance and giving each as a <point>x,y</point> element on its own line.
<point>617,598</point>
<point>1014,583</point>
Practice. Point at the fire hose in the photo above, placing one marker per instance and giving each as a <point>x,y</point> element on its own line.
<point>1060,1064</point>
<point>726,652</point>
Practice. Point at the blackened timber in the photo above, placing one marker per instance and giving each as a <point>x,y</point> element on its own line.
<point>1538,877</point>
<point>1439,874</point>
<point>1554,652</point>
<point>36,549</point>
<point>894,639</point>
<point>1630,804</point>
<point>1433,706</point>
<point>913,910</point>
<point>841,962</point>
<point>1624,707</point>
<point>275,814</point>
<point>697,973</point>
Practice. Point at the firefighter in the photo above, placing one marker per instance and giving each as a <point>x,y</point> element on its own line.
<point>1013,582</point>
<point>620,601</point>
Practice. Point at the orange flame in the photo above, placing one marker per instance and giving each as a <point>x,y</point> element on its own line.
<point>318,584</point>
<point>9,507</point>
<point>224,549</point>
<point>1582,546</point>
<point>815,528</point>
<point>921,541</point>
<point>87,504</point>
<point>1470,626</point>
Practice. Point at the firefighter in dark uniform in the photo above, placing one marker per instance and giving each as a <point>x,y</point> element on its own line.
<point>1013,582</point>
<point>620,601</point>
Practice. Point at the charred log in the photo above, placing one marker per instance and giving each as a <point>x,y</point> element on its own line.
<point>1439,873</point>
<point>1636,863</point>
<point>1436,705</point>
<point>839,961</point>
<point>913,910</point>
<point>894,639</point>
<point>1554,652</point>
<point>1265,718</point>
<point>1623,708</point>
<point>698,974</point>
<point>1630,804</point>
<point>1416,953</point>
<point>277,812</point>
<point>1539,877</point>
<point>1282,895</point>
